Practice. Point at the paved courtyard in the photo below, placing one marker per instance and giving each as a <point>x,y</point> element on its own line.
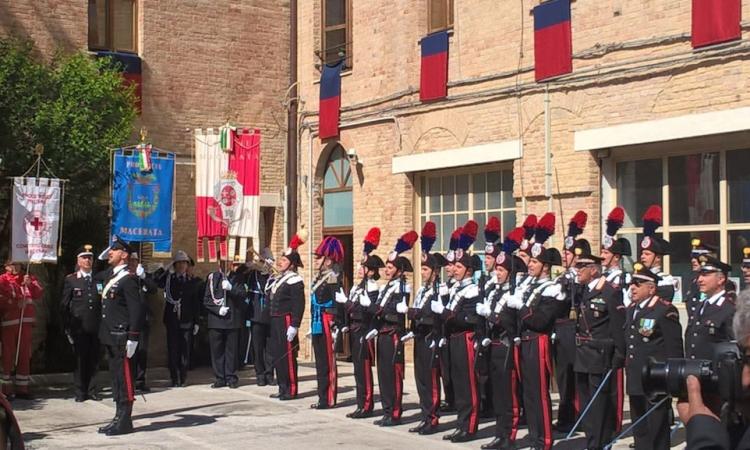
<point>197,416</point>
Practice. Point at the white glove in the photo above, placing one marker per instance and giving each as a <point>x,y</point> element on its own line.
<point>437,306</point>
<point>291,332</point>
<point>442,342</point>
<point>402,307</point>
<point>486,342</point>
<point>407,337</point>
<point>344,329</point>
<point>223,311</point>
<point>514,301</point>
<point>364,300</point>
<point>335,334</point>
<point>140,272</point>
<point>340,297</point>
<point>130,347</point>
<point>443,290</point>
<point>371,334</point>
<point>195,329</point>
<point>226,285</point>
<point>483,309</point>
<point>432,344</point>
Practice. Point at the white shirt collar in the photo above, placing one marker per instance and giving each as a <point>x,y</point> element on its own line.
<point>119,268</point>
<point>715,298</point>
<point>82,274</point>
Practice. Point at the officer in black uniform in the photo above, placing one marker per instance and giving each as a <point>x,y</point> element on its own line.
<point>183,297</point>
<point>449,405</point>
<point>360,299</point>
<point>653,251</point>
<point>600,348</point>
<point>710,320</point>
<point>147,287</point>
<point>286,297</point>
<point>260,321</point>
<point>224,300</point>
<point>122,319</point>
<point>693,296</point>
<point>652,330</point>
<point>82,314</point>
<point>503,332</point>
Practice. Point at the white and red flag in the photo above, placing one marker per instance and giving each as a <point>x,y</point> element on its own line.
<point>227,193</point>
<point>36,219</point>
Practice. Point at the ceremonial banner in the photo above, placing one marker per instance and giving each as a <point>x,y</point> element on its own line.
<point>553,46</point>
<point>142,200</point>
<point>227,193</point>
<point>36,219</point>
<point>715,21</point>
<point>433,81</point>
<point>330,101</point>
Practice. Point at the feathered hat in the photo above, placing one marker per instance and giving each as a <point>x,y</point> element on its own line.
<point>467,237</point>
<point>404,243</point>
<point>453,245</point>
<point>370,244</point>
<point>427,240</point>
<point>652,220</point>
<point>330,248</point>
<point>506,258</point>
<point>529,225</point>
<point>491,236</point>
<point>291,252</point>
<point>544,229</point>
<point>575,229</point>
<point>615,220</point>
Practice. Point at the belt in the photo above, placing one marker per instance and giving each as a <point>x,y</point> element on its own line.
<point>572,317</point>
<point>581,339</point>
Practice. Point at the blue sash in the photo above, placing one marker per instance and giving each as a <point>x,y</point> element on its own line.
<point>316,325</point>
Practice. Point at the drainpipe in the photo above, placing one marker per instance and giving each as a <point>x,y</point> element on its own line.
<point>547,150</point>
<point>291,141</point>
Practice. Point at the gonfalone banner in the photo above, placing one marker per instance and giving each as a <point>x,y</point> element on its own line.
<point>36,219</point>
<point>142,199</point>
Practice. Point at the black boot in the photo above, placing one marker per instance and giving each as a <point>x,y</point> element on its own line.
<point>497,443</point>
<point>111,423</point>
<point>123,424</point>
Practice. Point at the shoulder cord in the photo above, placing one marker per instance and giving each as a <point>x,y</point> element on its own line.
<point>217,301</point>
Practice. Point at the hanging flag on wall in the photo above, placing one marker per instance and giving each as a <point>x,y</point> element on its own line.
<point>227,193</point>
<point>553,48</point>
<point>36,219</point>
<point>433,79</point>
<point>142,197</point>
<point>715,21</point>
<point>330,101</point>
<point>130,64</point>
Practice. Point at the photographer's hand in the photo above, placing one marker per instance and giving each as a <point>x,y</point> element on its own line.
<point>694,405</point>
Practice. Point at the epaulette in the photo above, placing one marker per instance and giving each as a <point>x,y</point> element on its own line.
<point>407,288</point>
<point>470,291</point>
<point>332,278</point>
<point>372,286</point>
<point>552,290</point>
<point>294,279</point>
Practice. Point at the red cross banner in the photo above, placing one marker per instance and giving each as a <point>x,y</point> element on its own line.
<point>36,219</point>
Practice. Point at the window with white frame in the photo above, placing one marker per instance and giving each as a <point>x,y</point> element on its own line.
<point>704,195</point>
<point>451,198</point>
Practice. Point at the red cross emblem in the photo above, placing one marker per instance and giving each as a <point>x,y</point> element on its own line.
<point>36,223</point>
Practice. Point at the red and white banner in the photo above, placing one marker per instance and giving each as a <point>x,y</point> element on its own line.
<point>227,193</point>
<point>36,219</point>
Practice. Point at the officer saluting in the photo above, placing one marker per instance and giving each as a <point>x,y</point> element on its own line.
<point>710,322</point>
<point>652,330</point>
<point>122,318</point>
<point>82,313</point>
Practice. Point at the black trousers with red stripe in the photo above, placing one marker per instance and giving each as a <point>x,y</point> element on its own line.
<point>391,373</point>
<point>284,355</point>
<point>618,396</point>
<point>599,422</point>
<point>535,378</point>
<point>363,353</point>
<point>427,377</point>
<point>504,388</point>
<point>465,381</point>
<point>325,363</point>
<point>121,374</point>
<point>564,349</point>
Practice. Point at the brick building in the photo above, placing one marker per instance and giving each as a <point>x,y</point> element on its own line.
<point>643,118</point>
<point>203,63</point>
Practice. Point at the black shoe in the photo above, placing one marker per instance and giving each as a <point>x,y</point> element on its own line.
<point>632,445</point>
<point>419,427</point>
<point>94,396</point>
<point>448,437</point>
<point>275,395</point>
<point>318,406</point>
<point>286,397</point>
<point>261,382</point>
<point>390,422</point>
<point>462,436</point>
<point>218,384</point>
<point>497,443</point>
<point>428,429</point>
<point>272,382</point>
<point>122,423</point>
<point>363,415</point>
<point>234,385</point>
<point>354,413</point>
<point>80,398</point>
<point>380,421</point>
<point>107,427</point>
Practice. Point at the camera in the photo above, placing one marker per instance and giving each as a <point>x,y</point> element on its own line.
<point>721,377</point>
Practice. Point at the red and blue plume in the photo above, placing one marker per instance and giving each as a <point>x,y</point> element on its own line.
<point>513,240</point>
<point>468,235</point>
<point>455,236</point>
<point>615,219</point>
<point>529,225</point>
<point>372,240</point>
<point>577,224</point>
<point>429,233</point>
<point>331,248</point>
<point>652,220</point>
<point>492,230</point>
<point>544,228</point>
<point>406,242</point>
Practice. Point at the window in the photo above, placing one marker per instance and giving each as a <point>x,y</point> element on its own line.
<point>451,199</point>
<point>337,192</point>
<point>439,15</point>
<point>704,195</point>
<point>112,25</point>
<point>336,41</point>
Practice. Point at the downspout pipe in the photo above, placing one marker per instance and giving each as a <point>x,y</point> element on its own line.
<point>291,140</point>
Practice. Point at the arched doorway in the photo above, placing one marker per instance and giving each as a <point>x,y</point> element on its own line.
<point>338,217</point>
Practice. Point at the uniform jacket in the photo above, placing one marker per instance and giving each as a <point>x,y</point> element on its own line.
<point>385,316</point>
<point>600,340</point>
<point>503,321</point>
<point>460,314</point>
<point>286,295</point>
<point>322,300</point>
<point>652,330</point>
<point>215,297</point>
<point>544,303</point>
<point>182,296</point>
<point>81,304</point>
<point>122,309</point>
<point>423,320</point>
<point>258,311</point>
<point>709,323</point>
<point>357,314</point>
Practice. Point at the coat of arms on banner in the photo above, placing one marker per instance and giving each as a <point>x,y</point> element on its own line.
<point>228,196</point>
<point>143,195</point>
